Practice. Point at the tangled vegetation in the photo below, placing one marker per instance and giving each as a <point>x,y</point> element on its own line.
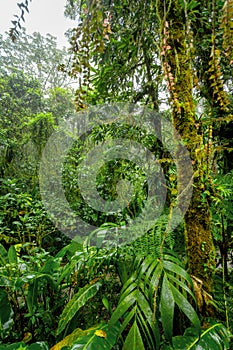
<point>168,288</point>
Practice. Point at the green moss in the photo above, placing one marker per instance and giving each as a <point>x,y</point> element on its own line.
<point>197,219</point>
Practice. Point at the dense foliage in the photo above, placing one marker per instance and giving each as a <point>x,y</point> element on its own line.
<point>167,289</point>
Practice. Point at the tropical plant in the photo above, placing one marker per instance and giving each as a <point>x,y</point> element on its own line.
<point>214,337</point>
<point>148,314</point>
<point>43,296</point>
<point>141,52</point>
<point>151,294</point>
<point>29,292</point>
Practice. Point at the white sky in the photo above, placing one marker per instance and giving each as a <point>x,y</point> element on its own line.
<point>45,16</point>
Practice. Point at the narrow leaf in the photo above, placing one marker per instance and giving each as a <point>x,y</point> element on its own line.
<point>181,284</point>
<point>186,307</point>
<point>168,265</point>
<point>123,307</point>
<point>134,339</point>
<point>167,305</point>
<point>12,255</point>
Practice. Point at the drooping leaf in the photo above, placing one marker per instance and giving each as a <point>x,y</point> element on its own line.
<point>148,332</point>
<point>186,307</point>
<point>78,300</point>
<point>129,287</point>
<point>130,315</point>
<point>181,284</point>
<point>155,279</point>
<point>134,305</point>
<point>167,308</point>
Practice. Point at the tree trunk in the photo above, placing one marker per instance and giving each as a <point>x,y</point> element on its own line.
<point>176,52</point>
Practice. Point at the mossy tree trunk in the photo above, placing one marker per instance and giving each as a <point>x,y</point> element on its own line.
<point>176,52</point>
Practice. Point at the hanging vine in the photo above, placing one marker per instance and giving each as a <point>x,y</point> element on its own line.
<point>88,39</point>
<point>227,26</point>
<point>215,69</point>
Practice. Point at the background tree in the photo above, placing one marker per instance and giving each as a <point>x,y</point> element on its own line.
<point>35,96</point>
<point>37,56</point>
<point>21,98</point>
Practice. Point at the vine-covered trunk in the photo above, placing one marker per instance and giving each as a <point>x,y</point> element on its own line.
<point>176,54</point>
<point>199,242</point>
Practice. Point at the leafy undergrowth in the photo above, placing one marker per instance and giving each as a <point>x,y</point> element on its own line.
<point>73,300</point>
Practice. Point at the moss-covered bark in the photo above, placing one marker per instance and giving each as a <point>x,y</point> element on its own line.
<point>176,57</point>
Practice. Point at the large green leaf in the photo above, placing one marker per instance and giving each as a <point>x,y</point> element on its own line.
<point>6,313</point>
<point>175,287</point>
<point>50,266</point>
<point>161,282</point>
<point>12,255</point>
<point>185,306</point>
<point>154,280</point>
<point>33,290</point>
<point>213,338</point>
<point>78,300</point>
<point>134,305</point>
<point>70,339</point>
<point>134,339</point>
<point>167,305</point>
<point>102,337</point>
